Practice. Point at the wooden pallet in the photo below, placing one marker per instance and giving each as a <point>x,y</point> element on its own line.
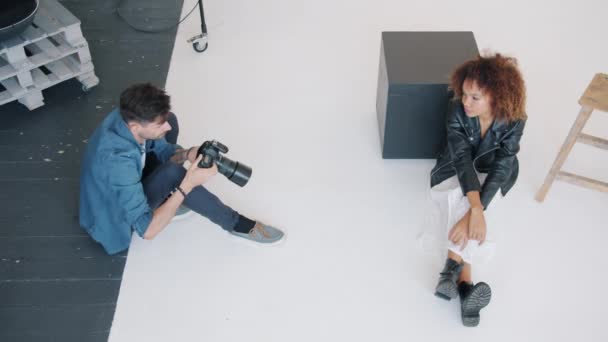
<point>51,50</point>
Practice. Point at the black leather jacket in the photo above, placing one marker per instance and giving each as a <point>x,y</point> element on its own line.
<point>466,152</point>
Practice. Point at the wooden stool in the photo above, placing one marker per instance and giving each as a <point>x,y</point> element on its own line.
<point>595,97</point>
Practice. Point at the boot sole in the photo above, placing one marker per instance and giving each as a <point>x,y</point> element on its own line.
<point>479,298</point>
<point>446,290</point>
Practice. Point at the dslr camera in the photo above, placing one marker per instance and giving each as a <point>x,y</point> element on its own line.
<point>235,171</point>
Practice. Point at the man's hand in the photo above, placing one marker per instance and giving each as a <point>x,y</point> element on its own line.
<point>181,155</point>
<point>191,155</point>
<point>459,234</point>
<point>196,176</point>
<point>477,225</point>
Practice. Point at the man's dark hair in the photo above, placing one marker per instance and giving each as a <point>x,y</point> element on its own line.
<point>143,103</point>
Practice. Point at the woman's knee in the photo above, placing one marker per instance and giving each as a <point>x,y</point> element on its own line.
<point>468,253</point>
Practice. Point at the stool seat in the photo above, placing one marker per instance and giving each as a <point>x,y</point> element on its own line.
<point>596,95</point>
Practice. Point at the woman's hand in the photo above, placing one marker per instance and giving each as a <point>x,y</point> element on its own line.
<point>459,234</point>
<point>477,225</point>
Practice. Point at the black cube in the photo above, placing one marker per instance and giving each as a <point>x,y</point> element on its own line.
<point>412,98</point>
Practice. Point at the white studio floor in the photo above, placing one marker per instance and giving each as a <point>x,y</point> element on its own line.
<point>290,87</point>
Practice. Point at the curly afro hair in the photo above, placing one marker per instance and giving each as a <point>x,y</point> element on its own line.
<point>499,77</point>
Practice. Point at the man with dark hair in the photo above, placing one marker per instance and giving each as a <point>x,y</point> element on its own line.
<point>132,178</point>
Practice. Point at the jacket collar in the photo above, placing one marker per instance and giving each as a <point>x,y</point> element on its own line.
<point>119,126</point>
<point>499,127</point>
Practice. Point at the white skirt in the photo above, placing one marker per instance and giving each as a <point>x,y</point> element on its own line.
<point>447,206</point>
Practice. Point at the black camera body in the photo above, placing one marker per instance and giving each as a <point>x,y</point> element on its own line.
<point>212,151</point>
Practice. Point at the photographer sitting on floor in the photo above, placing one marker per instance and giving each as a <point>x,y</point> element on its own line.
<point>132,177</point>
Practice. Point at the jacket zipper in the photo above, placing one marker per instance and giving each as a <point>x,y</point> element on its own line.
<point>474,160</point>
<point>451,161</point>
<point>490,150</point>
<point>481,155</point>
<point>441,167</point>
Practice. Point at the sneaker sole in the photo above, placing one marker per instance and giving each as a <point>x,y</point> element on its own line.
<point>446,290</point>
<point>479,298</point>
<point>182,216</point>
<point>255,243</point>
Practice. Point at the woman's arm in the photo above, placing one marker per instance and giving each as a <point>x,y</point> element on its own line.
<point>477,221</point>
<point>461,153</point>
<point>502,166</point>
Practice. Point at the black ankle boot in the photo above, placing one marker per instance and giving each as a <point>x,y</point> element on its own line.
<point>446,287</point>
<point>473,298</point>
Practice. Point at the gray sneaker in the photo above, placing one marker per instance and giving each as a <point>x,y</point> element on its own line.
<point>262,233</point>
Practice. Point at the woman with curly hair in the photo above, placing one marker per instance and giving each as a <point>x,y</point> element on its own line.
<point>484,126</point>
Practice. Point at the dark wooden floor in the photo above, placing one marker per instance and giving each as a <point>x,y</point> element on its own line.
<point>56,284</point>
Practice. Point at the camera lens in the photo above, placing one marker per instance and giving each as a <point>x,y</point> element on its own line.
<point>236,172</point>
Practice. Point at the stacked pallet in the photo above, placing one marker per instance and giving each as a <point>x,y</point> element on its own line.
<point>51,50</point>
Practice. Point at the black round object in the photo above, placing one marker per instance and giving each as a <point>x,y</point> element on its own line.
<point>16,16</point>
<point>236,172</point>
<point>200,48</point>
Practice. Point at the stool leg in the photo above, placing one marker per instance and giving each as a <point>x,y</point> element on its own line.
<point>582,118</point>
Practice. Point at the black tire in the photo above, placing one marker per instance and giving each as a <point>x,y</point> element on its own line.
<point>197,47</point>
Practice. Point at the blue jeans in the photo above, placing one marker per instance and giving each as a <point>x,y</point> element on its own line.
<point>160,179</point>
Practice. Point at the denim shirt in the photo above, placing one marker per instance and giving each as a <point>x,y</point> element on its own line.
<point>112,199</point>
